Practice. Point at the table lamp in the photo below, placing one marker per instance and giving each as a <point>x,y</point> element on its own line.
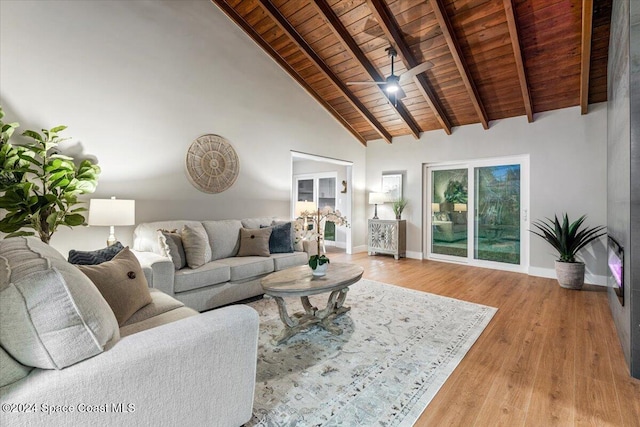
<point>110,213</point>
<point>376,199</point>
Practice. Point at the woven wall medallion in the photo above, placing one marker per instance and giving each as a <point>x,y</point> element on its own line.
<point>212,164</point>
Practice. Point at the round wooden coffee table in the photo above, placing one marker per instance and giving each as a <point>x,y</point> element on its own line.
<point>299,282</point>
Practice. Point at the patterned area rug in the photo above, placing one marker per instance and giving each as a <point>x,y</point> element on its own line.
<point>397,349</point>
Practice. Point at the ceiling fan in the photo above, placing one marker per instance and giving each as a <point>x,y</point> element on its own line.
<point>391,85</point>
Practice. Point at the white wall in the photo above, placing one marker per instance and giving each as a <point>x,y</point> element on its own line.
<point>138,81</point>
<point>568,160</point>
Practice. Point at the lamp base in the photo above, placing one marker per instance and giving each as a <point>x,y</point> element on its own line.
<point>111,240</point>
<point>375,212</point>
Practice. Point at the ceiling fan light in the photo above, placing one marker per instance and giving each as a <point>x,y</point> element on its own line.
<point>392,88</point>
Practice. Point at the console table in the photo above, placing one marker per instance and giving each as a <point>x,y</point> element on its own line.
<point>388,236</point>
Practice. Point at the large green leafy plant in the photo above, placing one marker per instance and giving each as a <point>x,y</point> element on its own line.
<point>39,187</point>
<point>567,238</point>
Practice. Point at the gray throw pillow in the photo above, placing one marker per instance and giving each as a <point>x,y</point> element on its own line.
<point>196,246</point>
<point>41,324</point>
<point>280,241</point>
<point>254,242</point>
<point>95,257</point>
<point>19,258</point>
<point>171,246</point>
<point>11,371</point>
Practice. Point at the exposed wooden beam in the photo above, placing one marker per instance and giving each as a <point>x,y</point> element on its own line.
<point>585,53</point>
<point>288,29</point>
<point>390,28</point>
<point>352,47</point>
<point>458,58</point>
<point>517,53</point>
<point>235,17</point>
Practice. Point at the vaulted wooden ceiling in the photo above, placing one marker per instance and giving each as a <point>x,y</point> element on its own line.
<point>486,59</point>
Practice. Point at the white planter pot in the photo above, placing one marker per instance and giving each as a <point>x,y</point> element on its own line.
<point>570,274</point>
<point>320,270</point>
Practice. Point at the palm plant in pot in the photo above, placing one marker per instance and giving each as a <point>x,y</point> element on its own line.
<point>568,238</point>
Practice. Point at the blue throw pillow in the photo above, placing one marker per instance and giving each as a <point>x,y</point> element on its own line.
<point>280,241</point>
<point>95,257</point>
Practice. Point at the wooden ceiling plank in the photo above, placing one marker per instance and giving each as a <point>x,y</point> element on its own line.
<point>391,30</point>
<point>517,53</point>
<point>458,58</point>
<point>313,57</point>
<point>585,54</point>
<point>350,45</point>
<point>235,17</point>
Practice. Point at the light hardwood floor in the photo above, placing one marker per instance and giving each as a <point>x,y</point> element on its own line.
<point>549,357</point>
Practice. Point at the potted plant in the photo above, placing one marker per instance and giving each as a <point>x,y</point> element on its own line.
<point>39,187</point>
<point>320,262</point>
<point>398,207</point>
<point>568,238</point>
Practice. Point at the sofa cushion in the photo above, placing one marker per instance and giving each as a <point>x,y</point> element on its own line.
<point>224,237</point>
<point>212,273</point>
<point>254,242</point>
<point>160,303</point>
<point>159,320</point>
<point>11,371</point>
<point>41,324</point>
<point>196,245</point>
<point>122,284</point>
<point>256,222</point>
<point>280,241</point>
<point>294,259</point>
<point>242,268</point>
<point>25,255</point>
<point>171,246</point>
<point>145,235</point>
<point>95,257</point>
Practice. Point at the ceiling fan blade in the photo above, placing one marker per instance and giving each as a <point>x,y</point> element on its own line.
<point>415,71</point>
<point>366,83</point>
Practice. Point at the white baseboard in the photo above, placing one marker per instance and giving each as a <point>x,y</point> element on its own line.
<point>361,248</point>
<point>591,279</point>
<point>414,255</point>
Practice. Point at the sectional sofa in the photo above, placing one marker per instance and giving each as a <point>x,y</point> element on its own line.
<point>224,277</point>
<point>67,358</point>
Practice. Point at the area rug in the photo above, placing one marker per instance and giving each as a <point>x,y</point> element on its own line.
<point>397,349</point>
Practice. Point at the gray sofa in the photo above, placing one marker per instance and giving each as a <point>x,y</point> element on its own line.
<point>225,278</point>
<point>64,360</point>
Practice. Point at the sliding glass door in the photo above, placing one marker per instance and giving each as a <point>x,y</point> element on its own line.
<point>476,212</point>
<point>497,208</point>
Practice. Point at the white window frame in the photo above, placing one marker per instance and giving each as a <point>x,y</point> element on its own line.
<point>470,165</point>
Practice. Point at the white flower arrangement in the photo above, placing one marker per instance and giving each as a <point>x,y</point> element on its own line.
<point>318,218</point>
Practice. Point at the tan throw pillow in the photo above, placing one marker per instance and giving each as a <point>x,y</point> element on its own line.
<point>122,284</point>
<point>254,241</point>
<point>196,246</point>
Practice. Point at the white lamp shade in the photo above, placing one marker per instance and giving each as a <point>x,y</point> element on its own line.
<point>112,212</point>
<point>305,206</point>
<point>435,207</point>
<point>460,207</point>
<point>377,198</point>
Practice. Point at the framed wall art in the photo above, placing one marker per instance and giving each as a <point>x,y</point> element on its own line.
<point>392,185</point>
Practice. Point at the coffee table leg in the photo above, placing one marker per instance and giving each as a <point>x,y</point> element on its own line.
<point>292,326</point>
<point>333,309</point>
<point>308,308</point>
<point>312,315</point>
